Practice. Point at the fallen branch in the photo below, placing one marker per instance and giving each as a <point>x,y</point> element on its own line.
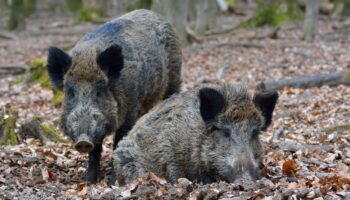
<point>339,129</point>
<point>331,79</point>
<point>221,31</point>
<point>273,34</point>
<point>34,128</point>
<point>294,147</point>
<point>8,36</point>
<point>12,69</point>
<point>239,44</point>
<point>193,35</point>
<point>226,30</point>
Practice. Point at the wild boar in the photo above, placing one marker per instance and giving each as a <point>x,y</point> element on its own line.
<point>112,76</point>
<point>205,135</point>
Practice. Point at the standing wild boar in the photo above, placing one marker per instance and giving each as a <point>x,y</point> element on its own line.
<point>114,75</point>
<point>204,135</point>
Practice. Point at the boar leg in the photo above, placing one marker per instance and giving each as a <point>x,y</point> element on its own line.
<point>174,58</point>
<point>121,132</point>
<point>174,173</point>
<point>204,178</point>
<point>94,164</point>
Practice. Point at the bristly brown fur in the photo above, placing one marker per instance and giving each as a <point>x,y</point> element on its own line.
<point>174,141</point>
<point>97,105</point>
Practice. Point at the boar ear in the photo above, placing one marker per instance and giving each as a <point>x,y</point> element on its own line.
<point>111,61</point>
<point>58,63</point>
<point>266,102</point>
<point>211,103</point>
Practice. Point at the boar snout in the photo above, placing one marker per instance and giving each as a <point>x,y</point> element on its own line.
<point>84,144</point>
<point>246,167</point>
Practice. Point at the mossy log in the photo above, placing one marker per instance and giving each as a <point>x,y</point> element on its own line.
<point>339,129</point>
<point>331,79</point>
<point>34,128</point>
<point>38,74</point>
<point>8,125</point>
<point>6,70</point>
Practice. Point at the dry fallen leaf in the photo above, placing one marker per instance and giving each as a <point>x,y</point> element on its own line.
<point>179,192</point>
<point>84,191</point>
<point>315,118</point>
<point>2,180</point>
<point>71,192</point>
<point>289,168</point>
<point>36,175</point>
<point>153,177</point>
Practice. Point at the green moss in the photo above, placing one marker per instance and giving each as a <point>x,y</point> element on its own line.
<point>9,131</point>
<point>8,127</point>
<point>346,76</point>
<point>58,97</point>
<point>146,4</point>
<point>51,133</point>
<point>230,3</point>
<point>38,73</point>
<point>19,80</point>
<point>86,15</point>
<point>339,129</point>
<point>274,13</point>
<point>17,15</point>
<point>74,5</point>
<point>29,7</point>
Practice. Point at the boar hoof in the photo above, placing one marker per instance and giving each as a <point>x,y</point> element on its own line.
<point>92,175</point>
<point>113,178</point>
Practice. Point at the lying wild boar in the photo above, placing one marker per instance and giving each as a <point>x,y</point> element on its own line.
<point>114,75</point>
<point>204,135</point>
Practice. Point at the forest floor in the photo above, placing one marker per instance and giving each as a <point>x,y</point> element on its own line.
<point>307,147</point>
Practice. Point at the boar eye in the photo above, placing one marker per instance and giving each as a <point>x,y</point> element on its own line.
<point>213,128</point>
<point>255,132</point>
<point>99,93</point>
<point>227,132</point>
<point>101,89</point>
<point>70,93</point>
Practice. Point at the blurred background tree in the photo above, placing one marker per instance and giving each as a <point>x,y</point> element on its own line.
<point>311,19</point>
<point>188,16</point>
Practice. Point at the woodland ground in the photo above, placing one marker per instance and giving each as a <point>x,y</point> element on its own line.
<point>307,147</point>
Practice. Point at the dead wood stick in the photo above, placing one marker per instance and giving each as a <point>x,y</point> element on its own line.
<point>331,79</point>
<point>273,34</point>
<point>8,36</point>
<point>221,31</point>
<point>12,69</point>
<point>193,35</point>
<point>244,44</point>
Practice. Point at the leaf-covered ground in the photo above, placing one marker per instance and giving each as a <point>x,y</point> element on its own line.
<point>307,147</point>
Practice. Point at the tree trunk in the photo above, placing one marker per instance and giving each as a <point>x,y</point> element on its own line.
<point>341,8</point>
<point>4,12</point>
<point>17,15</point>
<point>175,12</point>
<point>331,79</point>
<point>311,17</point>
<point>206,12</point>
<point>3,6</point>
